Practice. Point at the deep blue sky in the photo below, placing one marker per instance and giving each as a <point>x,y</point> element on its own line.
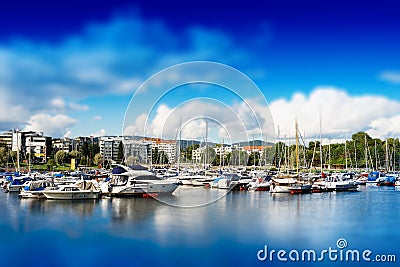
<point>285,46</point>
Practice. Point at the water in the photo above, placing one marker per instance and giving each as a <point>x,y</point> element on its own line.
<point>229,232</point>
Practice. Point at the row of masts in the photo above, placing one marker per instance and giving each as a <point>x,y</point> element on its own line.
<point>284,163</point>
<point>390,164</point>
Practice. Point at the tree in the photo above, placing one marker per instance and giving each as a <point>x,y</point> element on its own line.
<point>75,154</point>
<point>98,159</point>
<point>159,157</point>
<point>254,159</point>
<point>61,157</point>
<point>85,150</point>
<point>238,158</point>
<point>189,151</point>
<point>120,155</point>
<point>3,155</point>
<point>50,164</point>
<point>208,155</point>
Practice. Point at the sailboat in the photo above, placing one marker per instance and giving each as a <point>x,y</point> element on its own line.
<point>290,183</point>
<point>300,187</point>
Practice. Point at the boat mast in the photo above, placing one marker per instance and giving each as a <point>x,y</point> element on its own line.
<point>206,154</point>
<point>355,153</point>
<point>18,167</point>
<point>297,149</point>
<point>30,152</point>
<point>345,152</point>
<point>387,156</point>
<point>366,153</point>
<point>179,144</point>
<point>320,141</point>
<point>329,151</point>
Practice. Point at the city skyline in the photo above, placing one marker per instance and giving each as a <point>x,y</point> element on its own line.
<point>71,69</point>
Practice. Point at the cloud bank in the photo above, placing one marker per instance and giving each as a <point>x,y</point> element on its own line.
<point>341,114</point>
<point>107,58</point>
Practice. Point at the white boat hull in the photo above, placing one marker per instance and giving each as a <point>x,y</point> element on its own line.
<point>71,195</point>
<point>279,189</point>
<point>142,189</point>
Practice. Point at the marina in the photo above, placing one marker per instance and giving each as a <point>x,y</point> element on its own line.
<point>226,232</point>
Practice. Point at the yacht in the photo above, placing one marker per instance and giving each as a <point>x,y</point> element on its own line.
<point>136,180</point>
<point>17,183</point>
<point>35,189</point>
<point>259,184</point>
<point>228,181</point>
<point>80,190</point>
<point>340,182</point>
<point>281,185</point>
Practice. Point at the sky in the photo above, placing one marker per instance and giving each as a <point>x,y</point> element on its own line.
<point>79,68</point>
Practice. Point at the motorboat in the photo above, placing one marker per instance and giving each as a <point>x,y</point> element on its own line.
<point>35,189</point>
<point>137,180</point>
<point>388,180</point>
<point>228,181</point>
<point>259,184</point>
<point>17,183</point>
<point>338,182</point>
<point>80,190</point>
<point>300,188</point>
<point>281,185</point>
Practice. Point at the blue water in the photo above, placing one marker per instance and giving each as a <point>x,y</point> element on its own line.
<point>229,232</point>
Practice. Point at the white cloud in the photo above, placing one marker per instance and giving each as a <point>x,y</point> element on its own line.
<point>102,132</point>
<point>233,123</point>
<point>97,118</point>
<point>390,76</point>
<point>112,57</point>
<point>341,114</point>
<point>385,127</point>
<point>57,125</point>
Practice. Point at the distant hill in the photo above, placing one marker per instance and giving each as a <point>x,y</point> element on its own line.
<point>253,143</point>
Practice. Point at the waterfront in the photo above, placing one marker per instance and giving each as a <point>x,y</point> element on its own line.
<point>229,232</point>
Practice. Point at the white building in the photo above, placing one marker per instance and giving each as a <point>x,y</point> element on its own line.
<point>109,146</point>
<point>137,152</point>
<point>167,146</point>
<point>30,145</point>
<point>38,147</point>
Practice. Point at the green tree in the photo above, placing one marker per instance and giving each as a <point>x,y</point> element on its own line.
<point>189,151</point>
<point>85,150</point>
<point>120,155</point>
<point>75,154</point>
<point>238,158</point>
<point>98,159</point>
<point>50,164</point>
<point>253,159</point>
<point>3,155</point>
<point>61,157</point>
<point>208,155</point>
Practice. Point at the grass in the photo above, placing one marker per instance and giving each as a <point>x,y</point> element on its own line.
<point>39,167</point>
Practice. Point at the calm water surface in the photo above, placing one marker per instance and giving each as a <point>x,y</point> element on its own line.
<point>229,232</point>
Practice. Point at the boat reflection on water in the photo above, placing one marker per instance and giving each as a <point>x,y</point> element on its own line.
<point>130,209</point>
<point>44,206</point>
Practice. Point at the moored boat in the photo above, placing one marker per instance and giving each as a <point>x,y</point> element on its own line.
<point>80,190</point>
<point>137,181</point>
<point>35,189</point>
<point>281,185</point>
<point>300,188</point>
